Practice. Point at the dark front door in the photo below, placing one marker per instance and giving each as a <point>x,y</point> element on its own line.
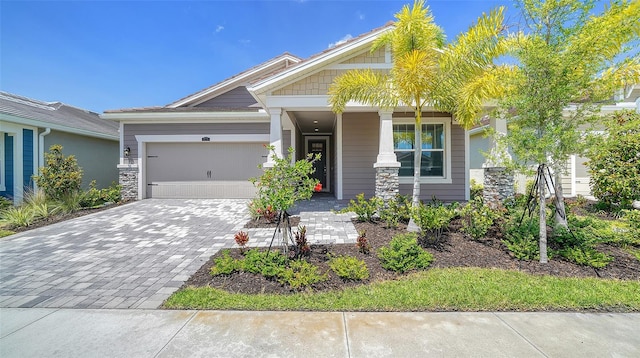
<point>320,146</point>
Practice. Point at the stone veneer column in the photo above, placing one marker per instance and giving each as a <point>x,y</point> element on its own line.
<point>128,180</point>
<point>386,165</point>
<point>498,181</point>
<point>275,136</point>
<point>498,186</point>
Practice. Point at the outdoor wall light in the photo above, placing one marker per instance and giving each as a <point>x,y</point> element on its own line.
<point>127,151</point>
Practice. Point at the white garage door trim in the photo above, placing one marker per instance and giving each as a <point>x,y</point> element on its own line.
<point>215,138</point>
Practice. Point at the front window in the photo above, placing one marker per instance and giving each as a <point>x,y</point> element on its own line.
<point>433,149</point>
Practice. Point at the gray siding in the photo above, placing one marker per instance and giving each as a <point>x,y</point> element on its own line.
<point>478,144</point>
<point>286,142</point>
<point>131,130</point>
<point>447,192</point>
<point>238,97</point>
<point>97,157</point>
<point>360,149</point>
<point>360,133</point>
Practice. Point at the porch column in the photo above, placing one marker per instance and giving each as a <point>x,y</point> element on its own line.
<point>386,165</point>
<point>498,181</point>
<point>275,136</point>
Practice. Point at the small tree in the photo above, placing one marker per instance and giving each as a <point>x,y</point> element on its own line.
<point>614,162</point>
<point>61,176</point>
<point>285,183</point>
<point>569,62</point>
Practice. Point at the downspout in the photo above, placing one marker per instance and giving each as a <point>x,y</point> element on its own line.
<point>41,151</point>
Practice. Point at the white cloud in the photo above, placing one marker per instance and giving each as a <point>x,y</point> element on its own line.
<point>219,28</point>
<point>245,42</point>
<point>346,38</point>
<point>360,15</point>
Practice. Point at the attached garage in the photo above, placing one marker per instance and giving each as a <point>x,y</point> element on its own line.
<point>202,169</point>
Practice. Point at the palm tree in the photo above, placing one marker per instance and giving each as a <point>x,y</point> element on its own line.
<point>456,77</point>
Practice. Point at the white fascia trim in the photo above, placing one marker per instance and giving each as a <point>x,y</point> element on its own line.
<point>41,124</point>
<point>339,194</point>
<point>309,66</point>
<point>213,138</point>
<point>446,121</point>
<point>467,166</point>
<point>182,116</point>
<point>477,130</point>
<point>313,102</point>
<point>234,80</point>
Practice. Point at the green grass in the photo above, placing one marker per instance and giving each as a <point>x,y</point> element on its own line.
<point>451,289</point>
<point>4,232</point>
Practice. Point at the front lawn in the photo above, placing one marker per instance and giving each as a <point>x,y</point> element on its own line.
<point>438,289</point>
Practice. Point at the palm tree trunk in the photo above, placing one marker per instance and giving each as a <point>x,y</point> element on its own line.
<point>417,159</point>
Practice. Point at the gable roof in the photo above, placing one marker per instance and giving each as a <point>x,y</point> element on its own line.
<point>257,72</point>
<point>315,62</point>
<point>55,115</point>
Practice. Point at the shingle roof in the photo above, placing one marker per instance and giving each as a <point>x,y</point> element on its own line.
<point>63,116</point>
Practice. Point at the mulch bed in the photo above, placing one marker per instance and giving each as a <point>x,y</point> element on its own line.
<point>453,250</point>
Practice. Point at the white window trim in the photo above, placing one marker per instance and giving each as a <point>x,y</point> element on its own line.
<point>2,163</point>
<point>446,122</point>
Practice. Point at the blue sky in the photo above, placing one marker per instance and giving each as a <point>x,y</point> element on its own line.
<point>101,55</point>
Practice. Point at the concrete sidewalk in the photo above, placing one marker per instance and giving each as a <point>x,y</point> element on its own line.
<point>154,333</point>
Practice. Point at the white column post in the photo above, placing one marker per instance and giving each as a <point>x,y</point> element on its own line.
<point>386,155</point>
<point>275,135</point>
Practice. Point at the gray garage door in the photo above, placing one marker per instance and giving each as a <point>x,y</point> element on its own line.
<point>203,170</point>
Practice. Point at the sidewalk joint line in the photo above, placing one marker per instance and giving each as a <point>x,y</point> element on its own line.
<point>346,334</point>
<point>520,334</point>
<point>175,334</point>
<point>54,310</point>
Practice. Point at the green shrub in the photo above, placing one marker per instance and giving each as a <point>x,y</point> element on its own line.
<point>39,204</point>
<point>363,208</point>
<point>614,163</point>
<point>95,197</point>
<point>225,265</point>
<point>396,211</point>
<point>268,264</point>
<point>20,216</point>
<point>585,255</point>
<point>61,176</point>
<point>433,219</point>
<point>476,189</point>
<point>285,183</point>
<point>70,202</point>
<point>349,268</point>
<point>301,274</point>
<point>5,203</point>
<point>522,239</point>
<point>477,218</point>
<point>403,254</point>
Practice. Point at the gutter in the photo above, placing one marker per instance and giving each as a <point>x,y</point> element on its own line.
<point>41,152</point>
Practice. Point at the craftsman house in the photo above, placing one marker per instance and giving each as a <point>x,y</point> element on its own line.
<point>207,144</point>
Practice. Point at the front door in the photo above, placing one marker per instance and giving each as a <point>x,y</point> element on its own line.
<point>318,145</point>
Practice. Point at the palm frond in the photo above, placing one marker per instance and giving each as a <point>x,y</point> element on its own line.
<point>365,86</point>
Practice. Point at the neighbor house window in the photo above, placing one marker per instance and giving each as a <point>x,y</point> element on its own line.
<point>434,141</point>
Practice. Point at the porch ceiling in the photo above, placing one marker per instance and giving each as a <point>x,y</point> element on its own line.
<point>308,121</point>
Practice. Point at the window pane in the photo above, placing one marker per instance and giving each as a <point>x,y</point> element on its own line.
<point>427,136</point>
<point>438,137</point>
<point>406,164</point>
<point>432,164</point>
<point>403,136</point>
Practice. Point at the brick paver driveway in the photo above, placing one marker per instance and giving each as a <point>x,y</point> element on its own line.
<point>133,256</point>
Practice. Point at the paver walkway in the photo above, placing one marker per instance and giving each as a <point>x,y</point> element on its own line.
<point>136,255</point>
